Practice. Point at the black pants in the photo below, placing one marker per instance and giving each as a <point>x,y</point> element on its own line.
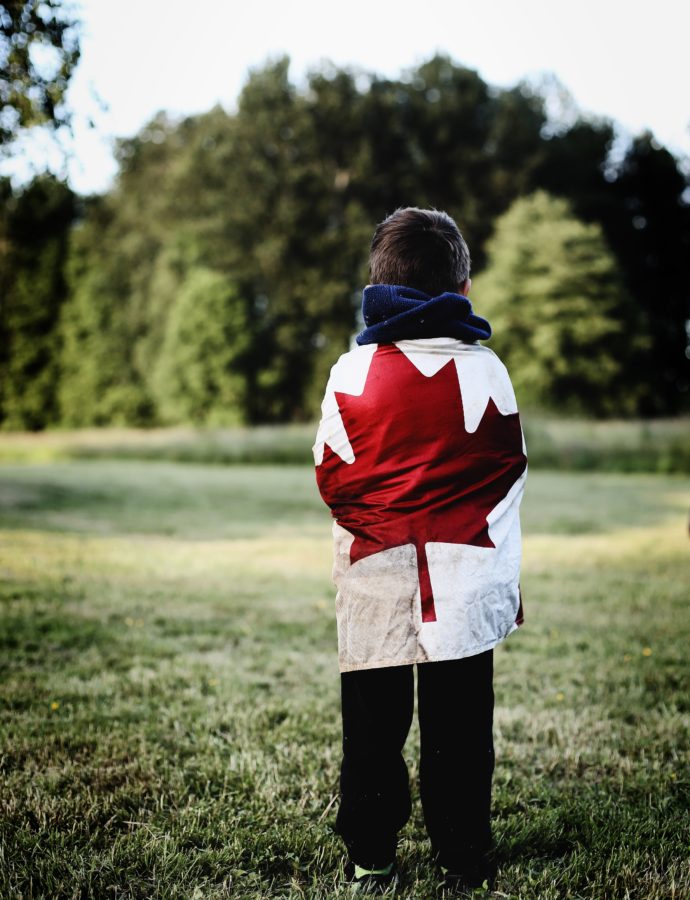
<point>455,706</point>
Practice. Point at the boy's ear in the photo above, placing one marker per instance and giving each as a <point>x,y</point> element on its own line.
<point>465,287</point>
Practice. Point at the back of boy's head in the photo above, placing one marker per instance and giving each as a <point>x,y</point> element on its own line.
<point>419,248</point>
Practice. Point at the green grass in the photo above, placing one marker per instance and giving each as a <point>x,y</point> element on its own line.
<point>169,719</point>
<point>269,444</point>
<point>661,445</point>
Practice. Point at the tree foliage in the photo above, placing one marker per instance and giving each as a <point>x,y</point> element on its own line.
<point>34,227</point>
<point>274,204</point>
<point>39,50</point>
<point>199,371</point>
<point>112,325</point>
<point>648,226</point>
<point>281,199</point>
<point>561,316</point>
<point>641,204</point>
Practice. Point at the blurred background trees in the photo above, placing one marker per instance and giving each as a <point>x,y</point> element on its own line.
<point>221,276</point>
<point>199,374</point>
<point>39,50</point>
<point>34,233</point>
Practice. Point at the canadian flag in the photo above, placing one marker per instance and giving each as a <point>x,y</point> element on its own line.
<point>421,458</point>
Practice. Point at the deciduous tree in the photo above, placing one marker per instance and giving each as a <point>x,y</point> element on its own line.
<point>34,230</point>
<point>199,374</point>
<point>559,310</point>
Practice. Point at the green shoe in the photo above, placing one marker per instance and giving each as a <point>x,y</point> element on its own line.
<point>370,881</point>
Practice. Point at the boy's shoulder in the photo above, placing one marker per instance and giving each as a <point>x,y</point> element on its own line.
<point>425,353</point>
<point>481,377</point>
<point>480,373</point>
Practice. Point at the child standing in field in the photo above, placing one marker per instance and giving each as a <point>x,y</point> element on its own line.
<point>421,459</point>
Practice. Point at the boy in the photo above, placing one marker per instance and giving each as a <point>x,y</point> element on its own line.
<point>421,459</point>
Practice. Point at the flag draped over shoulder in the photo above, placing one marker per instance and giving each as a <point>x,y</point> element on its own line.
<point>420,457</point>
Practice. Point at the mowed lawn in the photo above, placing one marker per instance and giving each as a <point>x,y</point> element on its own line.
<point>170,699</point>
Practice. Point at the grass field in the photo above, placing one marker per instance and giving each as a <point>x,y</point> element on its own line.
<point>655,445</point>
<point>169,688</point>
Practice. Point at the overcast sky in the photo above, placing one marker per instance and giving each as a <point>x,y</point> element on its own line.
<point>625,60</point>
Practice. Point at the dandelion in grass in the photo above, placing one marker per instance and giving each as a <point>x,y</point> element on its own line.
<point>55,705</point>
<point>646,651</point>
<point>560,696</point>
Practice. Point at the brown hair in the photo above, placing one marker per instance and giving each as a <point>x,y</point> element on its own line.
<point>419,248</point>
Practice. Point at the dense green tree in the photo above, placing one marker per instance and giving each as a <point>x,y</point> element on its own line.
<point>574,164</point>
<point>641,203</point>
<point>34,228</point>
<point>263,198</point>
<point>99,383</point>
<point>32,84</point>
<point>199,375</point>
<point>298,240</point>
<point>112,326</point>
<point>554,296</point>
<point>441,137</point>
<point>647,224</point>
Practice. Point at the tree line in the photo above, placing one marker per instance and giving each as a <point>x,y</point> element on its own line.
<point>221,276</point>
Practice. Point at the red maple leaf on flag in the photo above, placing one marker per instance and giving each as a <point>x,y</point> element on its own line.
<point>419,476</point>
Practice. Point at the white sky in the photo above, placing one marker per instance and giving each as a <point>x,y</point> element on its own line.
<point>621,59</point>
